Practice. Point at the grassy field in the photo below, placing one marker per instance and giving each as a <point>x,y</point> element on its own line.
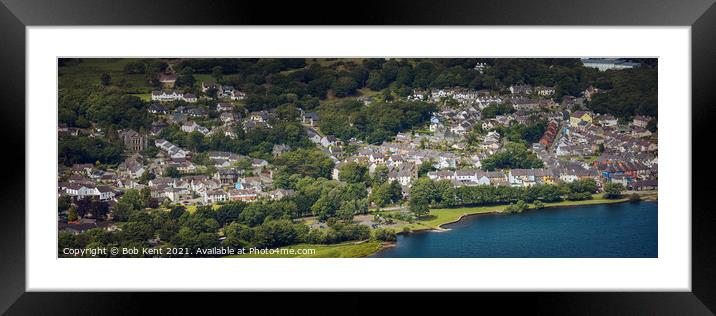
<point>144,96</point>
<point>192,208</point>
<point>343,250</point>
<point>203,78</point>
<point>89,70</point>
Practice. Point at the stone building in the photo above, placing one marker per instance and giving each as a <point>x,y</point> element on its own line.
<point>133,141</point>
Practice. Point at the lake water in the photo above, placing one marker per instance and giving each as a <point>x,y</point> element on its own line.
<point>623,230</point>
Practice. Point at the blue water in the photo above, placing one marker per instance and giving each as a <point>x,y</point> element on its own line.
<point>622,230</point>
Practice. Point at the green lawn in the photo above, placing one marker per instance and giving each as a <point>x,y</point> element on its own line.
<point>343,250</point>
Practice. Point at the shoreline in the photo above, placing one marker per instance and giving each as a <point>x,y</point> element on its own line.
<point>439,228</point>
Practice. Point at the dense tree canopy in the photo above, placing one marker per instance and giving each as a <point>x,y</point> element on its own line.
<point>306,162</point>
<point>374,123</point>
<point>512,156</point>
<point>81,149</point>
<point>629,92</point>
<point>526,133</point>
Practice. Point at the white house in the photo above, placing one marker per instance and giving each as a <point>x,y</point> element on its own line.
<point>222,107</point>
<point>404,177</point>
<point>192,126</point>
<point>81,191</point>
<point>522,177</point>
<point>163,96</point>
<point>174,151</point>
<point>214,196</point>
<point>329,140</point>
<point>608,120</point>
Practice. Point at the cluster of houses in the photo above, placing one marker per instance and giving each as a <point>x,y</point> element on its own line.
<point>525,89</point>
<point>550,134</point>
<point>87,181</point>
<point>403,156</point>
<point>84,190</point>
<point>604,64</point>
<point>455,122</point>
<point>530,104</point>
<point>636,170</point>
<point>583,138</point>
<point>513,177</point>
<point>625,153</point>
<point>227,183</point>
<point>172,150</point>
<point>223,91</point>
<point>479,98</point>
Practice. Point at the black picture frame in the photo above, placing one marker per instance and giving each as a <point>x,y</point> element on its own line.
<point>15,15</point>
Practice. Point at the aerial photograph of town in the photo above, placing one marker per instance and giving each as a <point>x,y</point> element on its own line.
<point>357,157</point>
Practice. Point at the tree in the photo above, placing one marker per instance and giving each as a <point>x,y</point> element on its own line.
<point>105,78</point>
<point>518,207</point>
<point>63,202</point>
<point>512,156</point>
<point>352,207</point>
<point>527,134</point>
<point>122,210</point>
<point>127,205</point>
<point>344,86</point>
<point>425,167</point>
<point>386,193</point>
<point>176,212</point>
<point>217,73</point>
<point>353,172</point>
<point>275,234</point>
<point>146,196</point>
<point>237,235</point>
<point>186,78</point>
<point>82,149</point>
<point>375,81</point>
<point>422,193</point>
<point>135,68</point>
<point>171,172</point>
<point>419,206</point>
<point>327,204</point>
<point>388,95</point>
<point>583,186</point>
<point>380,175</point>
<point>306,162</point>
<point>495,109</point>
<point>385,234</point>
<point>613,190</point>
<point>72,214</point>
<point>405,76</point>
<point>631,92</point>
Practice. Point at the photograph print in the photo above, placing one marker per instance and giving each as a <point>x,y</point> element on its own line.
<point>357,157</point>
